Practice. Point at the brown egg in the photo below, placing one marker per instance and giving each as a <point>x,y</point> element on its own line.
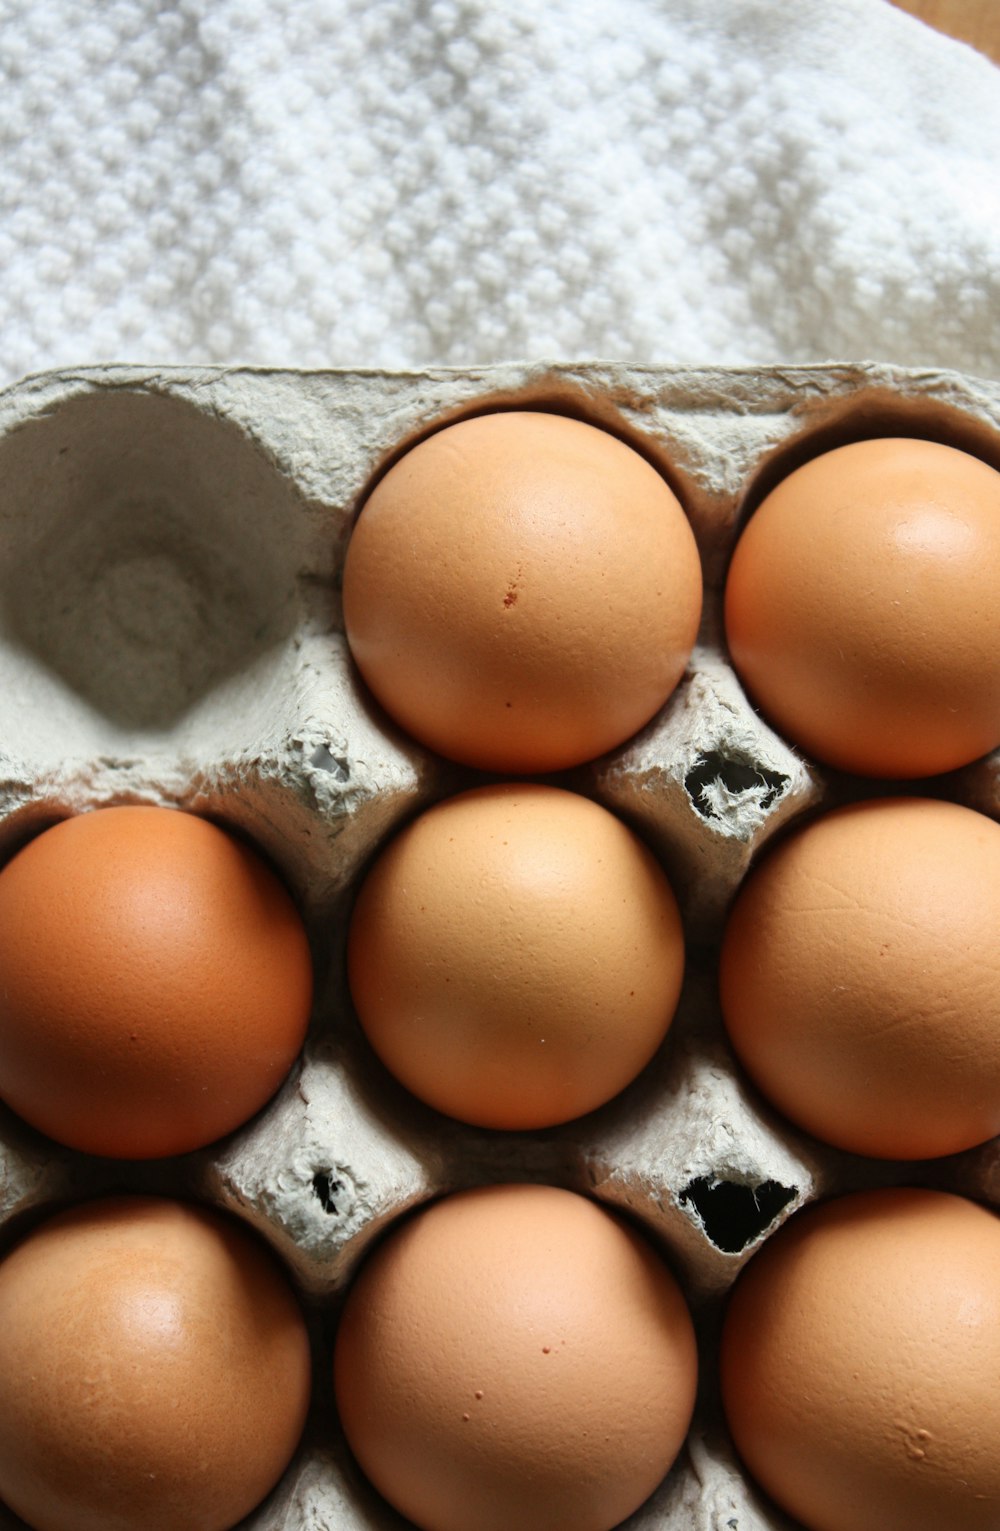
<point>859,977</point>
<point>155,978</point>
<point>515,1356</point>
<point>516,956</point>
<point>154,1370</point>
<point>860,1359</point>
<point>522,591</point>
<point>863,604</point>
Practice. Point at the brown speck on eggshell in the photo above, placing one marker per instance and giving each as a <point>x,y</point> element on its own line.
<point>581,646</point>
<point>467,1284</point>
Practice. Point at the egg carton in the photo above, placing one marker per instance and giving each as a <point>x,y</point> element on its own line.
<point>171,632</point>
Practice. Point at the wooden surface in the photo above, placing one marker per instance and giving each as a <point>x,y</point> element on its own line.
<point>971,21</point>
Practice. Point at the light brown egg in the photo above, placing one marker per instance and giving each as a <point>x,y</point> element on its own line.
<point>522,591</point>
<point>860,1359</point>
<point>155,982</point>
<point>515,1356</point>
<point>154,1370</point>
<point>863,604</point>
<point>515,956</point>
<point>859,977</point>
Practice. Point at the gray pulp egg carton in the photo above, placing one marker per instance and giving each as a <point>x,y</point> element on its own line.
<point>171,632</point>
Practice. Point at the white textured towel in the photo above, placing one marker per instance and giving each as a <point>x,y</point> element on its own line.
<point>393,182</point>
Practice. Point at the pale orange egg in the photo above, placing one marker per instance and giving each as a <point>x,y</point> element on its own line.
<point>859,1362</point>
<point>863,604</point>
<point>515,1356</point>
<point>155,982</point>
<point>154,1370</point>
<point>858,977</point>
<point>515,956</point>
<point>522,591</point>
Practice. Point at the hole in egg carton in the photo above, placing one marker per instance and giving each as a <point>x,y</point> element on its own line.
<point>148,559</point>
<point>718,784</point>
<point>735,1215</point>
<point>322,759</point>
<point>706,772</point>
<point>326,1187</point>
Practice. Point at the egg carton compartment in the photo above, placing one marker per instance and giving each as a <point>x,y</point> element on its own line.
<point>171,632</point>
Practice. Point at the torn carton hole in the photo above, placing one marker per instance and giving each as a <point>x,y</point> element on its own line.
<point>325,1189</point>
<point>717,783</point>
<point>734,1215</point>
<point>323,759</point>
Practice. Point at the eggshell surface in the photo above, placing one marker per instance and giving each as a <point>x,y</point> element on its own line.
<point>154,1370</point>
<point>515,1355</point>
<point>859,1362</point>
<point>522,591</point>
<point>516,956</point>
<point>862,606</point>
<point>859,977</point>
<point>156,982</point>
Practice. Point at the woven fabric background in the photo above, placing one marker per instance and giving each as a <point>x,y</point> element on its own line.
<point>394,182</point>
